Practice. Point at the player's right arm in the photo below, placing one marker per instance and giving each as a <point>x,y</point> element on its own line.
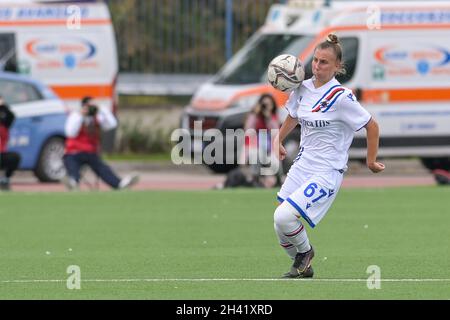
<point>277,145</point>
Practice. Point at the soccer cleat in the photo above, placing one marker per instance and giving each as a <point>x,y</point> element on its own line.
<point>128,181</point>
<point>302,261</point>
<point>309,273</point>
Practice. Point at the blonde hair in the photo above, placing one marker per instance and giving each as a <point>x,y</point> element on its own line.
<point>332,42</point>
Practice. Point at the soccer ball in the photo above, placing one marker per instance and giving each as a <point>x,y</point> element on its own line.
<point>286,72</point>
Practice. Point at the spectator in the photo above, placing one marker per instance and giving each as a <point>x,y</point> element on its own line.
<point>9,161</point>
<point>442,177</point>
<point>262,117</point>
<point>83,130</point>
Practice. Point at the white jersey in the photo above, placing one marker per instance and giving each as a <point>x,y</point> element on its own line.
<point>329,117</point>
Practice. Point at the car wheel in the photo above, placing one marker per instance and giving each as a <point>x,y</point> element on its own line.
<point>50,166</point>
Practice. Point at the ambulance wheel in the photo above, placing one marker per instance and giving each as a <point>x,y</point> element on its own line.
<point>50,166</point>
<point>436,163</point>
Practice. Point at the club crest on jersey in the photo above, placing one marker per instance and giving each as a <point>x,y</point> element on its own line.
<point>328,99</point>
<point>324,104</point>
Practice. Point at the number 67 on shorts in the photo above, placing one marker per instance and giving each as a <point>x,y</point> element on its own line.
<point>315,196</point>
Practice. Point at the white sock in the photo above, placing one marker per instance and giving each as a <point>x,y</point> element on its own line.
<point>300,240</point>
<point>288,247</point>
<point>289,228</point>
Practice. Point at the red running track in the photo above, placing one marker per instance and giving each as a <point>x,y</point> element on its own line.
<point>184,181</point>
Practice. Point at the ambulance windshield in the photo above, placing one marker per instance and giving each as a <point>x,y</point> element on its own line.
<point>249,65</point>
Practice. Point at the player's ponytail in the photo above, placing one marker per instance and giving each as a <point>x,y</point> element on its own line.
<point>332,41</point>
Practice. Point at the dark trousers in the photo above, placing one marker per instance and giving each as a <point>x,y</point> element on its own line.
<point>74,162</point>
<point>9,161</point>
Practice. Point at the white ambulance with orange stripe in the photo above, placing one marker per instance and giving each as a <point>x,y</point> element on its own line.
<point>70,47</point>
<point>397,56</point>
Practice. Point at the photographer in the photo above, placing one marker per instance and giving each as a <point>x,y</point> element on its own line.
<point>262,117</point>
<point>9,161</point>
<point>83,130</point>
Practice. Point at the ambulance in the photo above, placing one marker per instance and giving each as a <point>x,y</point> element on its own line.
<point>69,47</point>
<point>397,56</point>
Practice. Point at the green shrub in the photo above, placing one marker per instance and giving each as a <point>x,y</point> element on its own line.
<point>136,137</point>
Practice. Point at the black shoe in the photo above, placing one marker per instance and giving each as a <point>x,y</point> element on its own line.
<point>309,273</point>
<point>4,184</point>
<point>302,261</point>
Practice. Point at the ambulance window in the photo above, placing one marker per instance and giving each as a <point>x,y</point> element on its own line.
<point>18,92</point>
<point>249,65</point>
<point>350,54</point>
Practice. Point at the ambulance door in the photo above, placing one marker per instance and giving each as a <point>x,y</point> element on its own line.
<point>409,84</point>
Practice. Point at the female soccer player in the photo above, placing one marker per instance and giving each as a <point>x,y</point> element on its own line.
<point>329,116</point>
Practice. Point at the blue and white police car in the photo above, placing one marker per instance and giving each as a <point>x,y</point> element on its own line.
<point>38,131</point>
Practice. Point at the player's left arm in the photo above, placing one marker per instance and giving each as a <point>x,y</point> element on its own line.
<point>373,137</point>
<point>356,117</point>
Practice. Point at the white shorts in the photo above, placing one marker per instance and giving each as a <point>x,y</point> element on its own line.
<point>311,194</point>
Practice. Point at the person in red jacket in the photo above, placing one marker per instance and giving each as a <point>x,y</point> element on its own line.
<point>83,130</point>
<point>9,161</point>
<point>263,116</point>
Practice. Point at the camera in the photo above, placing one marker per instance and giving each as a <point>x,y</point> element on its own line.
<point>92,110</point>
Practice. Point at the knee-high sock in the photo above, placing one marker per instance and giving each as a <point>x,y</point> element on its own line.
<point>285,243</point>
<point>289,228</point>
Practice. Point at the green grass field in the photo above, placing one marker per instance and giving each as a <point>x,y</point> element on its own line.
<point>158,245</point>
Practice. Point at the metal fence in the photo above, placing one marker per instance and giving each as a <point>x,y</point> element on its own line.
<point>183,36</point>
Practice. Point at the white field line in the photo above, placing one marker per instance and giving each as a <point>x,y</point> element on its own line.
<point>221,280</point>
